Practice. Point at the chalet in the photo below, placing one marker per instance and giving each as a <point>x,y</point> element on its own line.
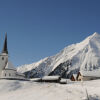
<point>73,77</point>
<point>88,75</point>
<point>54,79</point>
<point>79,76</point>
<point>51,79</point>
<point>7,70</point>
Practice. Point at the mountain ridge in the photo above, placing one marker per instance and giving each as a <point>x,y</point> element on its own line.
<point>72,58</point>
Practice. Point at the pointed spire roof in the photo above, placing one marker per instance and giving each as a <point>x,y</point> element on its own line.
<point>5,50</point>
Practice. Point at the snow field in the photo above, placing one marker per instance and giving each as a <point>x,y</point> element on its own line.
<point>26,90</point>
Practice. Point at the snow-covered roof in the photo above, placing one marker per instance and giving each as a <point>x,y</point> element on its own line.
<point>50,77</point>
<point>20,74</point>
<point>10,66</point>
<point>35,79</point>
<point>95,73</point>
<point>75,75</point>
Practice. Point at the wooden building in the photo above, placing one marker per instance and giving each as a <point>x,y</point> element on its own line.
<point>73,77</point>
<point>88,75</point>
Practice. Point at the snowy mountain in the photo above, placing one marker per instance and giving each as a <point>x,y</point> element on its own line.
<point>81,56</point>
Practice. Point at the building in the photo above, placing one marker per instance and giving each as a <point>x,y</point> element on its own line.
<point>73,77</point>
<point>54,79</point>
<point>7,70</point>
<point>88,75</point>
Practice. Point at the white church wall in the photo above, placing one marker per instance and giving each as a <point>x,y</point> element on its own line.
<point>11,74</point>
<point>3,61</point>
<point>8,74</point>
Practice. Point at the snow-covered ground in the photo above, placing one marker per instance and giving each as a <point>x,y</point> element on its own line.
<point>26,90</point>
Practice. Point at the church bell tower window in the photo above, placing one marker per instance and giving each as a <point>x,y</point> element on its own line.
<point>2,58</point>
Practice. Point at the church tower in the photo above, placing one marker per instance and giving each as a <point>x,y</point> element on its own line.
<point>5,50</point>
<point>4,55</point>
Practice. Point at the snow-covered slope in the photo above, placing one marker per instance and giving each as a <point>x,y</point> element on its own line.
<point>26,90</point>
<point>81,56</point>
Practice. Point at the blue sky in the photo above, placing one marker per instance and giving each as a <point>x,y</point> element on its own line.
<point>41,28</point>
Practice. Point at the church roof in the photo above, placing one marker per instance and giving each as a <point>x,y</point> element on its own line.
<point>10,66</point>
<point>5,50</point>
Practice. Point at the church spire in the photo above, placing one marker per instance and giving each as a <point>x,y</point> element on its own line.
<point>5,50</point>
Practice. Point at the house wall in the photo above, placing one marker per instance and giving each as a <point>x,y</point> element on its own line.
<point>86,78</point>
<point>11,74</point>
<point>8,74</point>
<point>72,78</point>
<point>80,78</point>
<point>3,62</point>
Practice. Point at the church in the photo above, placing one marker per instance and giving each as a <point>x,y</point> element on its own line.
<point>7,70</point>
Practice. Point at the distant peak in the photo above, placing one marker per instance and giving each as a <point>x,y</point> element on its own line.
<point>93,37</point>
<point>95,34</point>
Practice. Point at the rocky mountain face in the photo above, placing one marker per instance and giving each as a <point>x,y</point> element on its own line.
<point>81,56</point>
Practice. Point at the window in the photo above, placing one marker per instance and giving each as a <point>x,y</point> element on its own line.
<point>9,74</point>
<point>5,74</point>
<point>2,58</point>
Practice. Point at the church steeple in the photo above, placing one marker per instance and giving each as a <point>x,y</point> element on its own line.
<point>5,50</point>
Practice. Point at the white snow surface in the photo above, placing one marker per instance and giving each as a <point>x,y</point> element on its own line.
<point>50,77</point>
<point>84,56</point>
<point>26,90</point>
